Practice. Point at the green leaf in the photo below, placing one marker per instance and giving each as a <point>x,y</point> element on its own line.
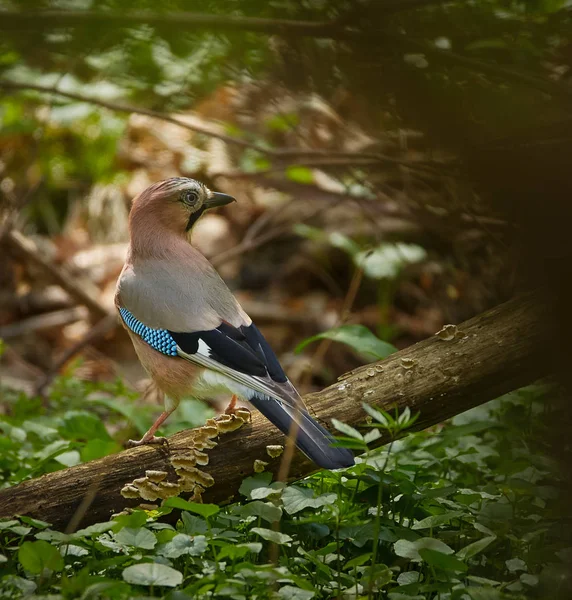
<point>239,550</point>
<point>80,425</point>
<point>297,498</point>
<point>476,547</point>
<point>138,538</point>
<point>136,519</point>
<point>289,592</point>
<point>441,560</point>
<point>95,529</point>
<point>358,337</point>
<point>193,525</point>
<point>408,577</point>
<point>183,544</point>
<point>515,564</point>
<point>264,510</point>
<point>204,510</point>
<point>98,449</point>
<point>152,574</point>
<point>300,174</point>
<point>272,536</point>
<point>347,430</point>
<point>435,520</point>
<point>40,555</point>
<point>410,550</point>
<point>251,483</point>
<point>260,493</point>
<point>380,416</point>
<point>358,561</point>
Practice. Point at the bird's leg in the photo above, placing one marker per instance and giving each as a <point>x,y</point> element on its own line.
<point>231,408</point>
<point>240,411</point>
<point>149,437</point>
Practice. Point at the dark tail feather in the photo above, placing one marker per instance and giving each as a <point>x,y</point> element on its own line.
<point>313,440</point>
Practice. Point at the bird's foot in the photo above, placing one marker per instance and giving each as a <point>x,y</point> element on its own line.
<point>149,441</point>
<point>238,411</point>
<point>231,408</point>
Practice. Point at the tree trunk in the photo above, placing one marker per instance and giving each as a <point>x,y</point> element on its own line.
<point>461,367</point>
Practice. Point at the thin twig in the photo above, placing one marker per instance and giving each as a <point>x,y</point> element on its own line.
<point>82,290</point>
<point>310,157</point>
<point>57,318</point>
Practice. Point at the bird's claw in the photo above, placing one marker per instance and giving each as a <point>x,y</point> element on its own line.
<point>144,442</point>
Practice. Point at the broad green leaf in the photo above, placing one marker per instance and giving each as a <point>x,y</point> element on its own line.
<point>265,510</point>
<point>152,574</point>
<point>69,459</point>
<point>234,551</point>
<point>297,498</point>
<point>441,560</point>
<point>515,564</point>
<point>289,592</point>
<point>272,536</point>
<point>435,520</point>
<point>204,510</point>
<point>98,449</point>
<point>251,483</point>
<point>136,519</point>
<point>410,550</point>
<point>387,260</point>
<point>358,337</point>
<point>529,579</point>
<point>347,430</point>
<point>476,547</point>
<point>261,493</point>
<point>193,525</point>
<point>183,544</point>
<point>40,555</point>
<point>95,529</point>
<point>138,538</point>
<point>408,577</point>
<point>80,425</point>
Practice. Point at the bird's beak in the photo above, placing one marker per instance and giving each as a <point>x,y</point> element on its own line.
<point>218,199</point>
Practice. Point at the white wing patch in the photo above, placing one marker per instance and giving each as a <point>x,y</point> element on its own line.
<point>254,384</point>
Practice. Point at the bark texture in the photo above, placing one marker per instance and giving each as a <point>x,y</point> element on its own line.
<point>462,367</point>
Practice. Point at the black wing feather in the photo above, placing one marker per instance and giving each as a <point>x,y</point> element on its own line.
<point>243,349</point>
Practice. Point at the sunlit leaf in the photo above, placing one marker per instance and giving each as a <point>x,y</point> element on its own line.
<point>272,536</point>
<point>358,337</point>
<point>153,574</point>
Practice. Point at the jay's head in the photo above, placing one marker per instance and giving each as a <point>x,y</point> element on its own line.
<point>176,203</point>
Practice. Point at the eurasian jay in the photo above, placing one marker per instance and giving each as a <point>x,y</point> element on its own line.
<point>190,333</point>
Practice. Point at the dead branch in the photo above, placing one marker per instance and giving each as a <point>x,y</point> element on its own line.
<point>82,290</point>
<point>56,318</point>
<point>491,354</point>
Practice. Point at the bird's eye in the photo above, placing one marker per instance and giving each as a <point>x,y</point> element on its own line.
<point>190,197</point>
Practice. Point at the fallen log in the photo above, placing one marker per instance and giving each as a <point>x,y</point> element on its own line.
<point>454,370</point>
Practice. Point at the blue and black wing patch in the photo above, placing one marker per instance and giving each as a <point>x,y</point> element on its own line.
<point>243,349</point>
<point>159,339</point>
